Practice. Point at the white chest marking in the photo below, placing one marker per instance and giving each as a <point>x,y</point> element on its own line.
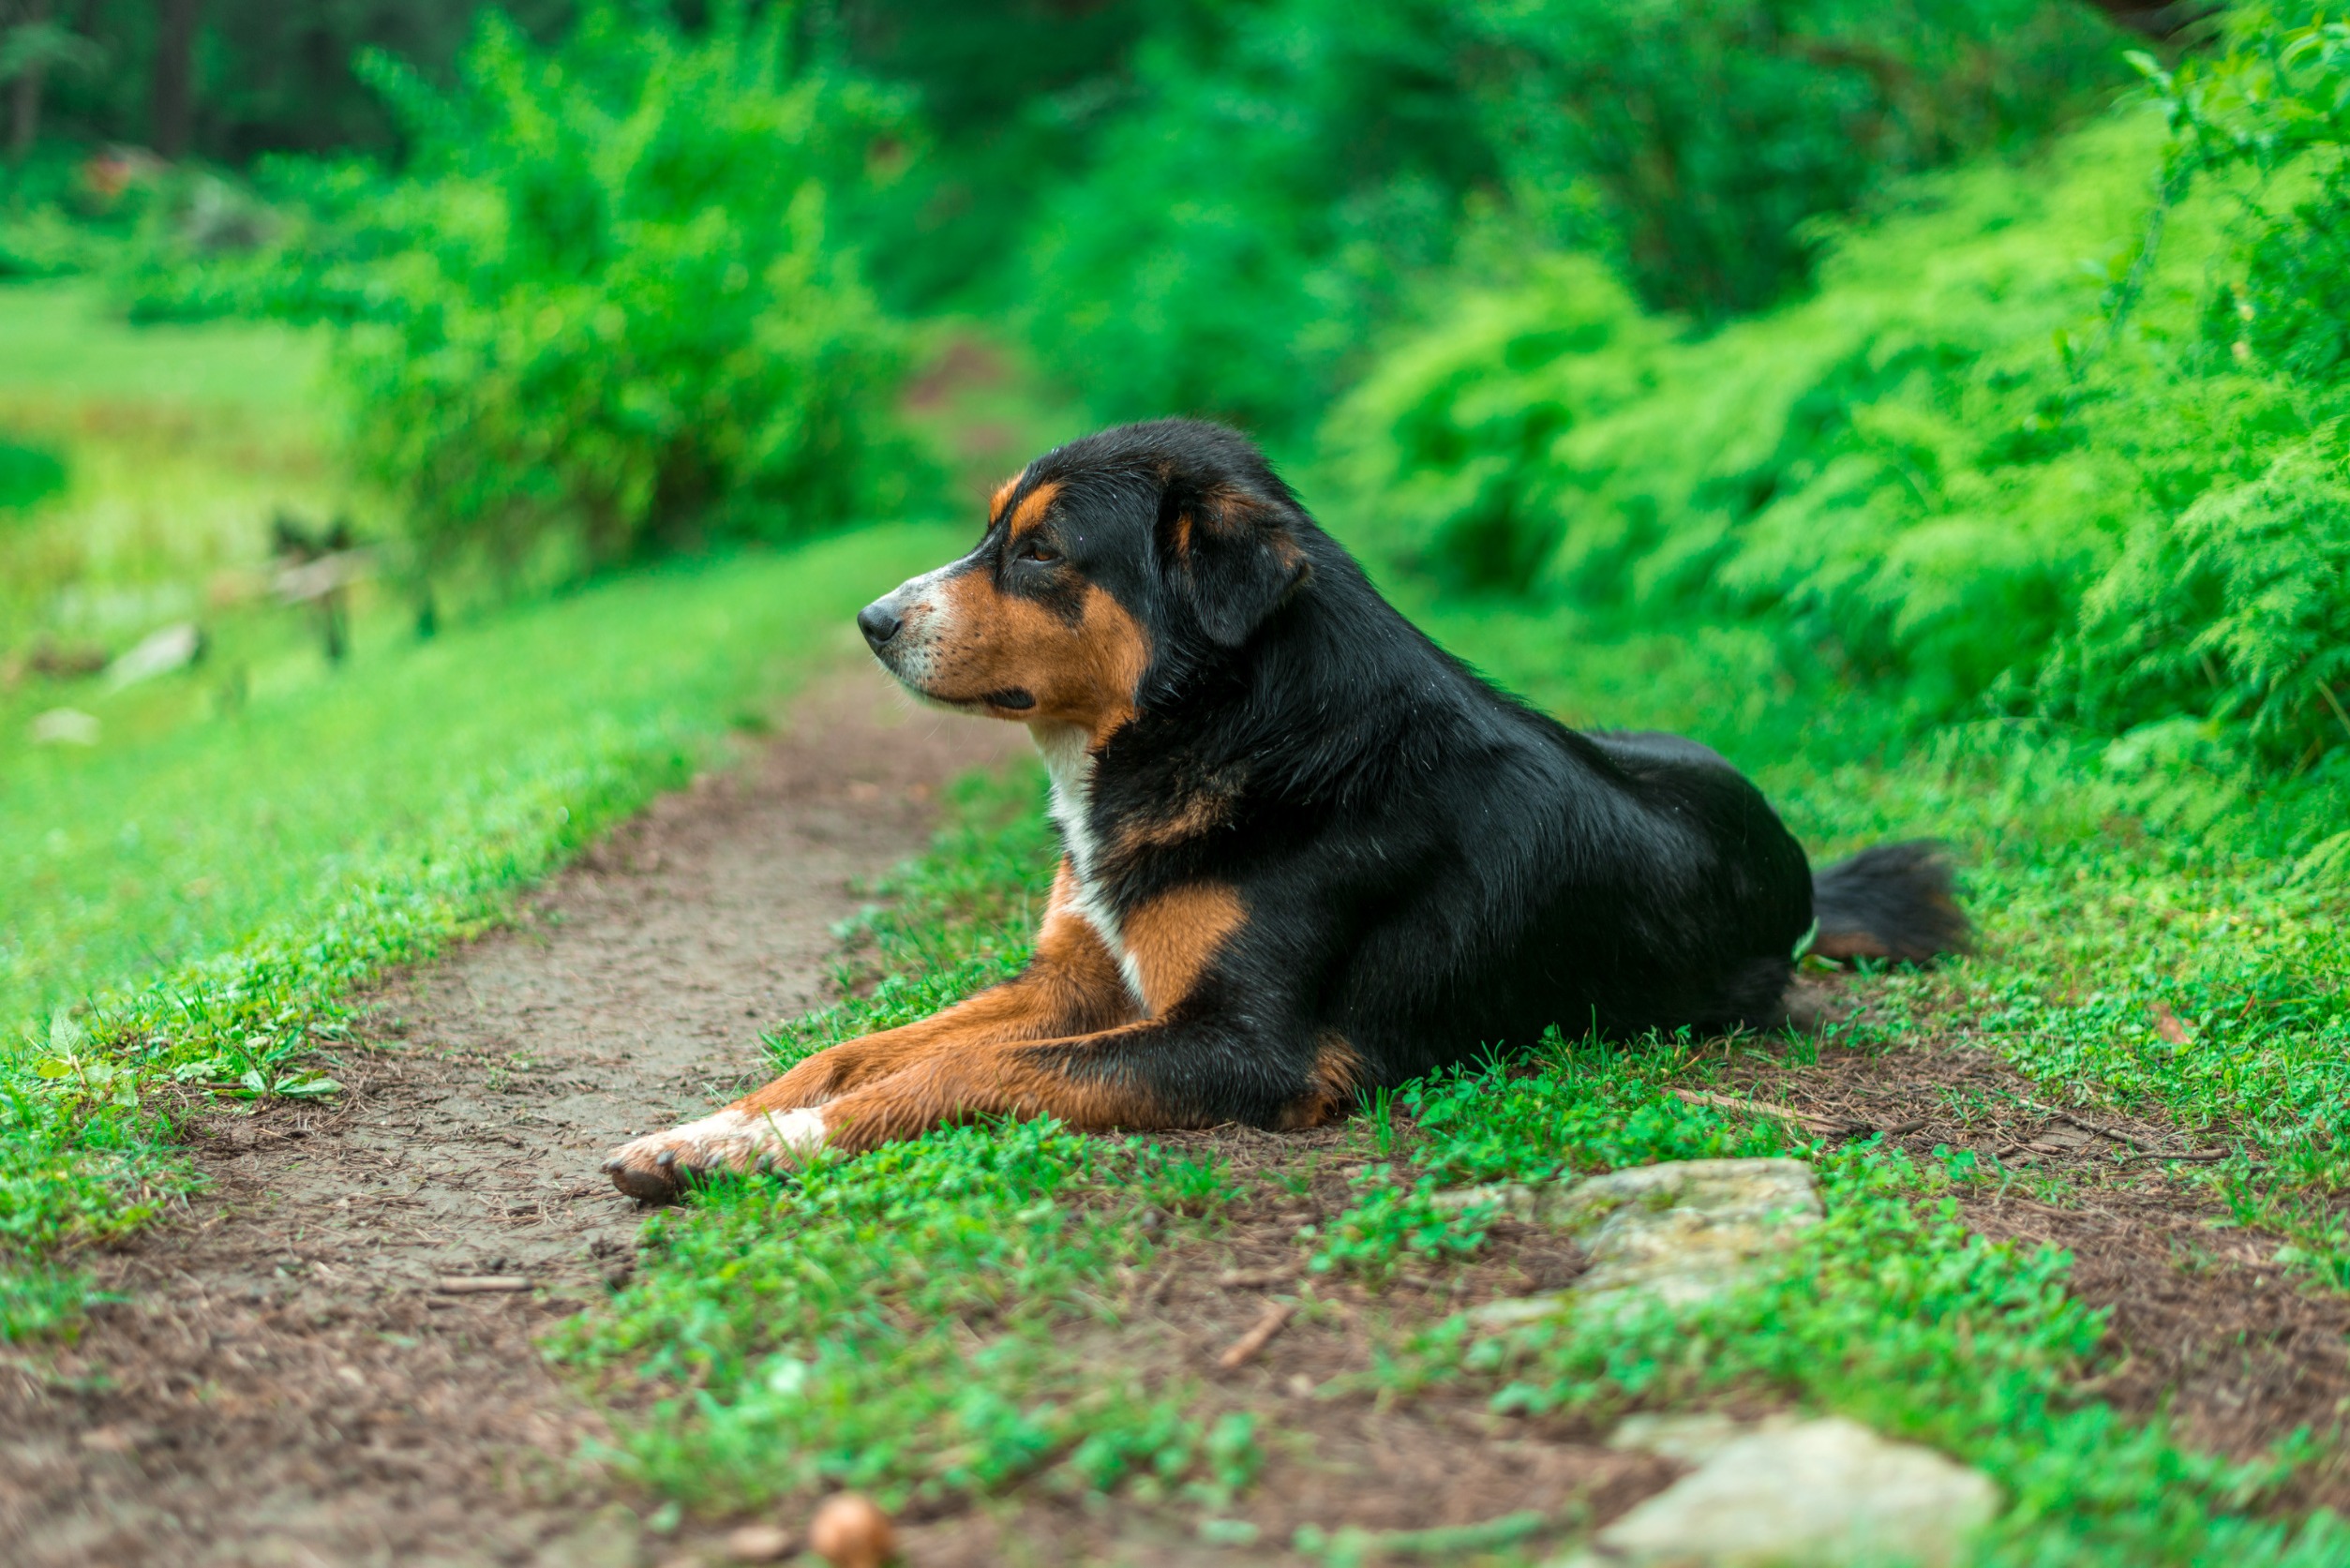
<point>1069,765</point>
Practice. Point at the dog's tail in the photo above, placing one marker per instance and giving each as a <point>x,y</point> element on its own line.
<point>1895,900</point>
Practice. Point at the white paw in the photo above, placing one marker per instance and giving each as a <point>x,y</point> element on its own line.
<point>662,1164</point>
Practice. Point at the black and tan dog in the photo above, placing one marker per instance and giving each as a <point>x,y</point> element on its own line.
<point>1307,851</point>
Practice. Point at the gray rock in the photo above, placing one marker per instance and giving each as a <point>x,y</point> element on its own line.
<point>1691,1438</point>
<point>1821,1494</point>
<point>1681,1232</point>
<point>157,654</point>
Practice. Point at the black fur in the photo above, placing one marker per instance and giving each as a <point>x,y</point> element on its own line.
<point>1430,868</point>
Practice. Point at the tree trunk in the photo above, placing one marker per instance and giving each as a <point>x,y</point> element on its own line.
<point>24,94</point>
<point>174,101</point>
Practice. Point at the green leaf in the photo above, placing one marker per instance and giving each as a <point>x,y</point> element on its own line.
<point>310,1087</point>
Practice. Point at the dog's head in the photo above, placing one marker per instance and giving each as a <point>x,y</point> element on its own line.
<point>1112,566</point>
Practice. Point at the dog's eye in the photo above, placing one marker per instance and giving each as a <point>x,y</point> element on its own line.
<point>1037,551</point>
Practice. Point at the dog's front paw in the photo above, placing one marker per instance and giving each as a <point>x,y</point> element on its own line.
<point>660,1166</point>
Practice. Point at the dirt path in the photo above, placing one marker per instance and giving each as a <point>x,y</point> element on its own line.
<point>287,1384</point>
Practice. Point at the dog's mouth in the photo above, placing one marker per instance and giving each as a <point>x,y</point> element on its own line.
<point>1012,698</point>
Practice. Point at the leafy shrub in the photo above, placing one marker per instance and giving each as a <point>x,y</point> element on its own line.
<point>1287,170</point>
<point>1282,172</point>
<point>1695,140</point>
<point>2061,439</point>
<point>604,311</point>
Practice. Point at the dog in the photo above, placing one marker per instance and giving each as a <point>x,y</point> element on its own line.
<point>1306,851</point>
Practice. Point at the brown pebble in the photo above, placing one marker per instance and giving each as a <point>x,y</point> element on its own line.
<point>758,1543</point>
<point>850,1531</point>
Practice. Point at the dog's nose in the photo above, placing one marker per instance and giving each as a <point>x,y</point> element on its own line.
<point>878,622</point>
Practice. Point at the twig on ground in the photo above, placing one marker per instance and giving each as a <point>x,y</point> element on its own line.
<point>479,1284</point>
<point>1243,1349</point>
<point>2137,1144</point>
<point>1759,1108</point>
<point>2087,1126</point>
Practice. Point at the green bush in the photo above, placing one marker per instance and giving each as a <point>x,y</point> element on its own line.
<point>2059,440</point>
<point>1694,140</point>
<point>1287,170</point>
<point>606,311</point>
<point>1254,212</point>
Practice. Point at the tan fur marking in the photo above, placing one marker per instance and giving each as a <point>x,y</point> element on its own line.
<point>1033,506</point>
<point>1083,675</point>
<point>996,503</point>
<point>1850,945</point>
<point>1201,812</point>
<point>1173,938</point>
<point>1072,986</point>
<point>1337,1073</point>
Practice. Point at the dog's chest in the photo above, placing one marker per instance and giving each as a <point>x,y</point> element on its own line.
<point>1070,767</point>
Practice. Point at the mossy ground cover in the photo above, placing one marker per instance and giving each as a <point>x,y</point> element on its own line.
<point>966,1324</point>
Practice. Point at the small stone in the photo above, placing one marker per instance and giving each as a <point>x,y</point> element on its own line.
<point>605,1539</point>
<point>1511,1311</point>
<point>65,726</point>
<point>1687,1230</point>
<point>758,1543</point>
<point>852,1532</point>
<point>1515,1198</point>
<point>159,654</point>
<point>1826,1494</point>
<point>1690,1439</point>
<point>1680,1232</point>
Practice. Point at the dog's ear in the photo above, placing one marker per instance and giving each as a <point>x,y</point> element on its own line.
<point>1230,555</point>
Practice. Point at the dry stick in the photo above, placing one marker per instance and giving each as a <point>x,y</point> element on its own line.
<point>480,1284</point>
<point>1276,1318</point>
<point>2144,1149</point>
<point>2087,1126</point>
<point>1758,1108</point>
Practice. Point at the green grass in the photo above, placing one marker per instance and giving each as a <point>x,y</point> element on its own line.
<point>2100,894</point>
<point>189,898</point>
<point>69,350</point>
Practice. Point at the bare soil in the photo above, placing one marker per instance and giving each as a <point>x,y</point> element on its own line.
<point>287,1381</point>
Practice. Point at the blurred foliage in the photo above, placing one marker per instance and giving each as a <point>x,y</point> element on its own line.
<point>1282,169</point>
<point>28,474</point>
<point>1008,96</point>
<point>1696,139</point>
<point>605,309</point>
<point>2058,439</point>
<point>267,76</point>
<point>1286,168</point>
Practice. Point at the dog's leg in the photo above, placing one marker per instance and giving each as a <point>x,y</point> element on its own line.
<point>1171,1072</point>
<point>1072,986</point>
